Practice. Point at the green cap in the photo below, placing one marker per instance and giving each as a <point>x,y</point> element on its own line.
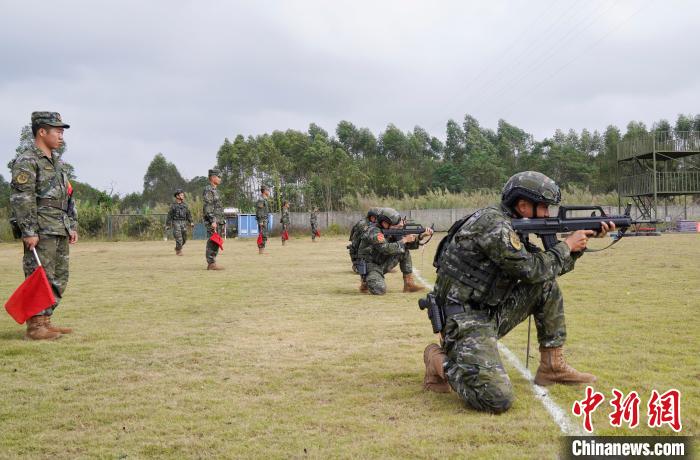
<point>48,118</point>
<point>215,172</point>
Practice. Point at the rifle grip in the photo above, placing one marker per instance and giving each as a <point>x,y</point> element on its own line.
<point>549,241</point>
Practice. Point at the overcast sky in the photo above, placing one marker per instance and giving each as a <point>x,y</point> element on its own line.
<point>135,78</point>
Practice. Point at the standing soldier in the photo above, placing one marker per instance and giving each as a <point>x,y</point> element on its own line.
<point>178,217</point>
<point>284,220</point>
<point>262,210</point>
<point>490,279</point>
<point>41,203</point>
<point>213,217</point>
<point>357,231</point>
<point>314,224</point>
<point>378,256</point>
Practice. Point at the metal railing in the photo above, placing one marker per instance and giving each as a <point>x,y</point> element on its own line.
<point>680,182</point>
<point>680,141</point>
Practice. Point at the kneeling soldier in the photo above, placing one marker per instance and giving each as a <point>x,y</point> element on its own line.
<point>377,255</point>
<point>489,280</point>
<point>356,234</point>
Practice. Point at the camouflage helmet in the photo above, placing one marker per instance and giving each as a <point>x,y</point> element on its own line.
<point>178,191</point>
<point>530,185</point>
<point>374,212</point>
<point>389,215</point>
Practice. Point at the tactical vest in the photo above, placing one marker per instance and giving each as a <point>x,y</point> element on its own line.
<point>365,247</point>
<point>466,264</point>
<point>357,231</point>
<point>179,212</point>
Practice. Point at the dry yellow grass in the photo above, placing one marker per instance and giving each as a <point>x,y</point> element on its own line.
<point>279,356</point>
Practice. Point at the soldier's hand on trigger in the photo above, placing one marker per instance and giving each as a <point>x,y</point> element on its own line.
<point>605,228</point>
<point>409,238</point>
<point>578,240</point>
<point>30,241</point>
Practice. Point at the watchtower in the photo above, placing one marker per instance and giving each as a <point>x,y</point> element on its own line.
<point>655,165</point>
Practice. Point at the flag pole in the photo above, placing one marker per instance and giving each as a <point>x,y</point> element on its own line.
<point>36,256</point>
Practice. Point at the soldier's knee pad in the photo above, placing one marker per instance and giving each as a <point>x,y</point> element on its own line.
<point>495,401</point>
<point>501,404</point>
<point>483,391</point>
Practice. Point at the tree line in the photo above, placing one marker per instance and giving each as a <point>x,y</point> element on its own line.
<point>314,168</point>
<point>317,168</point>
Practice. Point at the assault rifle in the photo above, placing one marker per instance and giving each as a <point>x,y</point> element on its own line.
<point>546,228</point>
<point>409,228</point>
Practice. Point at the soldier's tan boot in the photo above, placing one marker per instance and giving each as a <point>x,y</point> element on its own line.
<point>363,286</point>
<point>36,330</point>
<point>554,369</point>
<point>53,328</point>
<point>213,266</point>
<point>178,252</point>
<point>435,379</point>
<point>409,285</point>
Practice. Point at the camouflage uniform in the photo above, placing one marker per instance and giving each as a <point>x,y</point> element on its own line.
<point>381,256</point>
<point>179,217</point>
<point>284,220</point>
<point>262,211</point>
<point>314,224</point>
<point>490,280</point>
<point>213,212</point>
<point>41,204</point>
<point>357,231</point>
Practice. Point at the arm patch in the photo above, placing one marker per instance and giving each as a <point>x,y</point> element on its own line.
<point>21,178</point>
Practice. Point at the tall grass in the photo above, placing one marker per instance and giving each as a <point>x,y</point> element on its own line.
<point>5,230</point>
<point>443,199</point>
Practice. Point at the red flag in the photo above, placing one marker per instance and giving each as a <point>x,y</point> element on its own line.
<point>318,234</point>
<point>217,240</point>
<point>31,297</point>
<point>260,240</point>
<point>285,235</point>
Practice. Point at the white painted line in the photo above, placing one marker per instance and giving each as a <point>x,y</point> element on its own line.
<point>557,413</point>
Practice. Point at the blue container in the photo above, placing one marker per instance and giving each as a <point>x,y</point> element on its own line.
<point>199,232</point>
<point>248,225</point>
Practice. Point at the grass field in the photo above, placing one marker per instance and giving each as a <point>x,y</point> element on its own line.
<point>279,356</point>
